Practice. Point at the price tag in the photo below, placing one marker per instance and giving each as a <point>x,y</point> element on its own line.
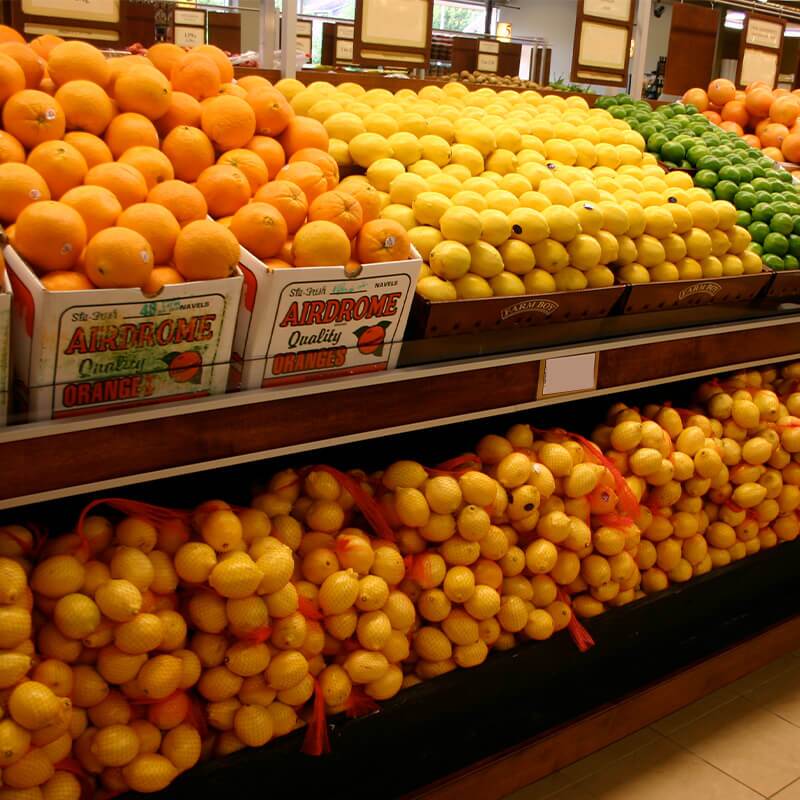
<point>189,37</point>
<point>567,375</point>
<point>487,63</point>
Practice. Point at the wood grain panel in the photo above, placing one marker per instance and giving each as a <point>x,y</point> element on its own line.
<point>507,772</point>
<point>692,40</point>
<point>48,463</point>
<point>647,362</point>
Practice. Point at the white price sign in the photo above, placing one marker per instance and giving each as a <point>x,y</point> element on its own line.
<point>568,375</point>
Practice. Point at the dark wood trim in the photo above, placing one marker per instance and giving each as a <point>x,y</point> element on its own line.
<point>499,775</point>
<point>744,46</point>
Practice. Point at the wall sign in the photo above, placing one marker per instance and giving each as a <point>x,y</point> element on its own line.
<point>94,10</point>
<point>603,33</point>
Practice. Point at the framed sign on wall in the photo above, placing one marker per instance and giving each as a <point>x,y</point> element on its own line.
<point>601,50</point>
<point>760,50</point>
<point>379,40</point>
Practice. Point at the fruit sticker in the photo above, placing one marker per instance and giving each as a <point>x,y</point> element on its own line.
<point>370,339</point>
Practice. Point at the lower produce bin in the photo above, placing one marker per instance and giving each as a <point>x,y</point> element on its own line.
<point>785,284</point>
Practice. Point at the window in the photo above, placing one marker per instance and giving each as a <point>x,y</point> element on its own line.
<point>339,9</point>
<point>450,15</point>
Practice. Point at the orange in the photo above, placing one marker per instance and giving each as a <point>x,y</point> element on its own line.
<point>130,130</point>
<point>735,127</point>
<point>31,64</point>
<point>86,106</point>
<point>143,90</point>
<point>367,195</point>
<point>713,116</point>
<point>225,188</point>
<point>183,110</point>
<point>66,281</point>
<point>10,35</point>
<point>228,121</point>
<point>164,56</point>
<point>93,149</point>
<point>118,258</point>
<point>160,277</point>
<point>98,207</point>
<point>153,164</point>
<point>288,198</point>
<point>754,141</point>
<point>157,224</point>
<point>759,101</point>
<point>189,150</point>
<point>773,135</point>
<point>72,61</point>
<point>270,152</point>
<point>774,153</point>
<point>286,251</point>
<point>383,240</point>
<point>206,251</point>
<point>249,163</point>
<point>10,149</point>
<point>721,91</point>
<point>791,147</point>
<point>33,116</point>
<point>219,58</point>
<point>121,66</point>
<point>252,82</point>
<point>303,132</point>
<point>325,161</point>
<point>697,97</point>
<point>233,89</point>
<point>735,111</point>
<point>783,110</point>
<point>272,111</point>
<point>757,85</point>
<point>60,164</point>
<point>260,228</point>
<point>43,45</point>
<point>277,263</point>
<point>320,244</point>
<point>125,181</point>
<point>340,208</point>
<point>12,78</point>
<point>196,74</point>
<point>50,235</point>
<point>761,125</point>
<point>186,202</point>
<point>309,177</point>
<point>20,185</point>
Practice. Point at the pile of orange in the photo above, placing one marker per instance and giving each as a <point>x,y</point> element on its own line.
<point>766,118</point>
<point>110,169</point>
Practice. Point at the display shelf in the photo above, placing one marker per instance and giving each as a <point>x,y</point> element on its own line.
<point>47,460</point>
<point>537,708</point>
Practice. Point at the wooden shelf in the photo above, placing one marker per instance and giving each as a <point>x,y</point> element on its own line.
<point>48,460</point>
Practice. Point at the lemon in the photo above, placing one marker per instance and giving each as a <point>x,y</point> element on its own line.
<point>584,252</point>
<point>76,615</point>
<point>627,251</point>
<point>563,223</point>
<point>461,224</point>
<point>149,772</point>
<point>590,216</point>
<point>738,238</point>
<point>428,207</point>
<point>14,742</point>
<point>649,251</point>
<point>473,286</point>
<point>115,745</point>
<point>502,200</point>
<point>698,243</point>
<point>404,188</point>
<point>556,191</point>
<point>424,168</point>
<point>443,183</point>
<point>528,225</point>
<point>534,200</point>
<point>34,705</point>
<point>704,215</point>
<point>470,199</point>
<point>502,161</point>
<point>399,213</point>
<point>550,255</point>
<point>369,147</point>
<point>450,260</point>
<point>732,265</point>
<point>434,148</point>
<point>570,279</point>
<point>665,271</point>
<point>540,625</point>
<point>637,221</point>
<point>515,183</point>
<point>751,262</point>
<point>344,125</point>
<point>57,576</point>
<point>383,171</point>
<point>182,745</point>
<point>634,273</point>
<point>538,281</point>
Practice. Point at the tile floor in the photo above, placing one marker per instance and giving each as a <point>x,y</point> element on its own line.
<point>741,742</point>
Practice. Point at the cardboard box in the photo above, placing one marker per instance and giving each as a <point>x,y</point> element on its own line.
<point>5,347</point>
<point>103,350</point>
<point>312,323</point>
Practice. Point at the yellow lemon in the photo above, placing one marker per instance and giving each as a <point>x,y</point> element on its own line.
<point>590,216</point>
<point>507,284</point>
<point>428,207</point>
<point>435,289</point>
<point>698,243</point>
<point>538,281</point>
<point>450,260</point>
<point>369,147</point>
<point>649,251</point>
<point>460,224</point>
<point>584,252</point>
<point>424,238</point>
<point>518,257</point>
<point>495,226</point>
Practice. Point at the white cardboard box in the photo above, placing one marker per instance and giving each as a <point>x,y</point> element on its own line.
<point>103,350</point>
<point>5,347</point>
<point>312,323</point>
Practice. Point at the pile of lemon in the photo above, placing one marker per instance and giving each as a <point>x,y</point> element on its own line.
<point>508,193</point>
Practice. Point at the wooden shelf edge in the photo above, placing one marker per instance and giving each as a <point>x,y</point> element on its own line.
<point>499,775</point>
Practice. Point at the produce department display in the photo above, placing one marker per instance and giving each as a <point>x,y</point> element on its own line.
<point>149,638</point>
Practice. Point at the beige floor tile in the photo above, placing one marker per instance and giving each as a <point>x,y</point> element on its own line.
<point>608,755</point>
<point>663,771</point>
<point>545,789</point>
<point>752,745</point>
<point>781,696</point>
<point>695,710</point>
<point>764,675</point>
<point>791,792</point>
